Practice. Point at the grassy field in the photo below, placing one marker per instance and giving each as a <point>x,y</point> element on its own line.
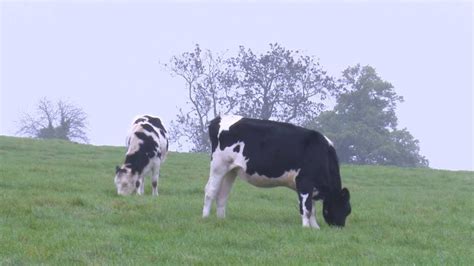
<point>58,206</point>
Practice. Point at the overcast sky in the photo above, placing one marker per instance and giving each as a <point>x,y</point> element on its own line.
<point>105,58</point>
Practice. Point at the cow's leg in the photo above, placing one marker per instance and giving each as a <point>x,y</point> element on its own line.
<point>142,186</point>
<point>139,184</point>
<point>223,194</point>
<point>306,205</point>
<point>305,193</point>
<point>154,180</point>
<point>312,219</point>
<point>218,170</point>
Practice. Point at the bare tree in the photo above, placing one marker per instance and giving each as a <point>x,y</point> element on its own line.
<point>60,121</point>
<point>208,96</point>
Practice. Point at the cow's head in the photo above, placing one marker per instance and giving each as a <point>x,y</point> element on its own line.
<point>124,181</point>
<point>337,207</point>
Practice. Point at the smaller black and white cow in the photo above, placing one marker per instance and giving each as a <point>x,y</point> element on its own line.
<point>270,154</point>
<point>147,146</point>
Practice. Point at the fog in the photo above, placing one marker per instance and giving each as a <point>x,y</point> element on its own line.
<point>106,57</point>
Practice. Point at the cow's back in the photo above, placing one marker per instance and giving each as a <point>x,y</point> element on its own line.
<point>272,148</point>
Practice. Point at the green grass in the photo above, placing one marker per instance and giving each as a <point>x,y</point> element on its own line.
<point>58,206</point>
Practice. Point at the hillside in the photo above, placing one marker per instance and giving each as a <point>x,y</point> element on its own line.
<point>58,206</point>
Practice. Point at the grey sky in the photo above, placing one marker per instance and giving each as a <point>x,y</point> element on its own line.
<point>104,57</point>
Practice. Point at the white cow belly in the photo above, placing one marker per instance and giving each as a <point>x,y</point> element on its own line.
<point>285,180</point>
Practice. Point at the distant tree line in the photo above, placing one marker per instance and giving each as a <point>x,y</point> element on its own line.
<point>289,86</point>
<point>279,84</point>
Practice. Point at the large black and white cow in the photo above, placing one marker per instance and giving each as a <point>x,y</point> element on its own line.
<point>147,148</point>
<point>269,154</point>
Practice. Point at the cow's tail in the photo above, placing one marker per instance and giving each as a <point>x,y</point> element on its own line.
<point>213,132</point>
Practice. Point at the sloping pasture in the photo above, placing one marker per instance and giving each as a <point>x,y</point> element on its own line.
<point>58,206</point>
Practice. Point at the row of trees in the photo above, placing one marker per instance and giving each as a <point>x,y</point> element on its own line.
<point>279,84</point>
<point>286,85</point>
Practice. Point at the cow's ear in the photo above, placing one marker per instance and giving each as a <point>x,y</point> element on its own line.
<point>117,169</point>
<point>345,195</point>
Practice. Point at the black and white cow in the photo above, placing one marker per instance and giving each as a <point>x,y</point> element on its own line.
<point>147,148</point>
<point>270,154</point>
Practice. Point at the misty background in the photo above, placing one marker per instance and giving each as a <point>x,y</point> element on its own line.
<point>107,57</point>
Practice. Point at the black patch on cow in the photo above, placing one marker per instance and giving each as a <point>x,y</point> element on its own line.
<point>213,132</point>
<point>137,184</point>
<point>156,122</point>
<point>236,149</point>
<point>119,170</point>
<point>274,148</point>
<point>141,119</point>
<point>154,184</point>
<point>148,127</point>
<point>147,150</point>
